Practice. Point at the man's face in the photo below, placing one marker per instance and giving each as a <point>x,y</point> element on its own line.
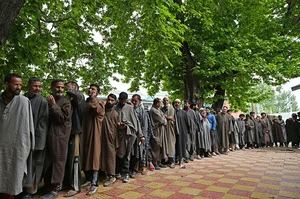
<point>207,111</point>
<point>110,102</point>
<point>70,86</point>
<point>135,101</point>
<point>263,115</point>
<point>224,109</point>
<point>280,117</point>
<point>158,104</point>
<point>242,117</point>
<point>186,105</point>
<point>34,87</point>
<point>14,86</point>
<point>252,114</point>
<point>93,91</point>
<point>166,101</point>
<point>258,119</point>
<point>229,112</point>
<point>177,104</point>
<point>203,113</point>
<point>58,89</point>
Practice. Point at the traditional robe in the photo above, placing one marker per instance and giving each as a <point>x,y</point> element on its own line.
<point>249,134</point>
<point>241,127</point>
<point>170,133</point>
<point>282,124</point>
<point>60,124</point>
<point>40,113</point>
<point>91,134</point>
<point>292,129</point>
<point>141,132</point>
<point>110,141</point>
<point>193,128</point>
<point>182,132</point>
<point>267,126</point>
<point>159,122</point>
<point>256,138</point>
<point>224,125</point>
<point>200,140</point>
<point>206,131</point>
<point>127,136</point>
<point>16,142</point>
<point>278,132</point>
<point>233,135</point>
<point>259,128</point>
<point>214,135</point>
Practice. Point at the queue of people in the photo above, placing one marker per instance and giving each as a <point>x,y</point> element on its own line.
<point>54,139</point>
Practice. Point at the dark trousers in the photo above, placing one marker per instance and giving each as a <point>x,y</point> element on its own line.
<point>73,166</point>
<point>123,164</point>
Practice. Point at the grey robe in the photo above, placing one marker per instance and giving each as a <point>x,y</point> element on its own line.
<point>16,142</point>
<point>170,133</point>
<point>282,124</point>
<point>249,134</point>
<point>224,125</point>
<point>256,134</point>
<point>241,132</point>
<point>200,143</point>
<point>127,136</point>
<point>160,123</point>
<point>182,132</point>
<point>40,113</point>
<point>206,131</point>
<point>267,126</point>
<point>193,128</point>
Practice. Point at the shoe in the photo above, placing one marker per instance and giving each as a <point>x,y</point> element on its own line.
<point>71,193</point>
<point>93,189</point>
<point>214,154</point>
<point>151,167</point>
<point>202,156</point>
<point>109,181</point>
<point>50,195</point>
<point>192,157</point>
<point>144,171</point>
<point>218,153</point>
<point>27,196</point>
<point>198,157</point>
<point>157,167</point>
<point>126,178</point>
<point>182,166</point>
<point>133,174</point>
<point>172,166</point>
<point>118,176</point>
<point>162,166</point>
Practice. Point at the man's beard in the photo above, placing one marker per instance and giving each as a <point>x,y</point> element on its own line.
<point>14,92</point>
<point>58,93</point>
<point>177,107</point>
<point>109,106</point>
<point>185,108</point>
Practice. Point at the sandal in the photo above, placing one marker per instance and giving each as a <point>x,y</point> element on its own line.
<point>144,171</point>
<point>71,193</point>
<point>151,166</point>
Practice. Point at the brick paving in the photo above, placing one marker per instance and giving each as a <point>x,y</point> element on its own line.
<point>258,173</point>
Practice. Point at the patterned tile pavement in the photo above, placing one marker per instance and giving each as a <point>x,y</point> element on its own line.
<point>259,173</point>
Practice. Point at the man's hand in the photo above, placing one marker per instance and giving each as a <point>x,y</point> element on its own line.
<point>121,126</point>
<point>51,100</point>
<point>142,140</point>
<point>229,132</point>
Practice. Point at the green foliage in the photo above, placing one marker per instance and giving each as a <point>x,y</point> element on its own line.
<point>282,101</point>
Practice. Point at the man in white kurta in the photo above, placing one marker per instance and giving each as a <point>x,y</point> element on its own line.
<point>16,136</point>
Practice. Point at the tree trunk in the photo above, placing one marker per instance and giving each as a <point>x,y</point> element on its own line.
<point>220,96</point>
<point>9,10</point>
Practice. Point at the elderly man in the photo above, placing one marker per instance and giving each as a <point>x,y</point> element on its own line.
<point>169,112</point>
<point>182,131</point>
<point>16,136</point>
<point>60,112</point>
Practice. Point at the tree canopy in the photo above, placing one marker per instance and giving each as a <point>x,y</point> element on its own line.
<point>197,50</point>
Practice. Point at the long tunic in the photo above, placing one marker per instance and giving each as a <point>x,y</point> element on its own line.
<point>110,141</point>
<point>282,124</point>
<point>170,133</point>
<point>127,136</point>
<point>241,127</point>
<point>249,134</point>
<point>206,130</point>
<point>60,124</point>
<point>91,134</point>
<point>292,129</point>
<point>233,135</point>
<point>182,132</point>
<point>191,138</point>
<point>278,132</point>
<point>142,132</point>
<point>16,141</point>
<point>159,130</point>
<point>267,130</point>
<point>200,140</point>
<point>224,125</point>
<point>40,113</point>
<point>256,134</point>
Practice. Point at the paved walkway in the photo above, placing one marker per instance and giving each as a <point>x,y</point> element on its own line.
<point>258,173</point>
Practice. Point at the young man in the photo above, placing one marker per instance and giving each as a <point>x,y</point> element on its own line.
<point>110,141</point>
<point>91,137</point>
<point>40,114</point>
<point>224,128</point>
<point>16,136</point>
<point>60,124</point>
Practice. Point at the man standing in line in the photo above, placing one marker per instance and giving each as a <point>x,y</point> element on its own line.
<point>60,124</point>
<point>72,179</point>
<point>16,136</point>
<point>214,135</point>
<point>182,131</point>
<point>169,112</point>
<point>128,128</point>
<point>40,113</point>
<point>91,137</point>
<point>224,128</point>
<point>110,141</point>
<point>241,126</point>
<point>193,128</point>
